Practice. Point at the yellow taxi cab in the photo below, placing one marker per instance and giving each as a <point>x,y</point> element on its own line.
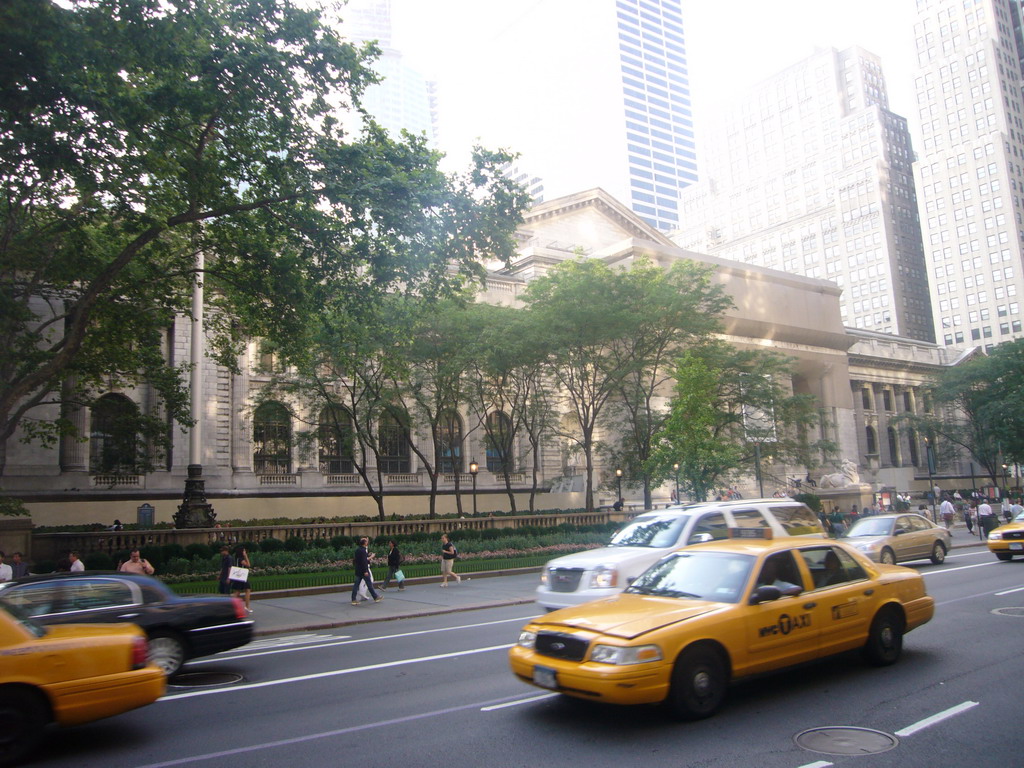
<point>712,613</point>
<point>67,675</point>
<point>1007,540</point>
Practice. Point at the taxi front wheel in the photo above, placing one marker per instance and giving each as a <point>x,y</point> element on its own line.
<point>699,682</point>
<point>885,638</point>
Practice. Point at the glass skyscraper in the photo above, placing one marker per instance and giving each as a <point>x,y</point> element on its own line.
<point>591,93</point>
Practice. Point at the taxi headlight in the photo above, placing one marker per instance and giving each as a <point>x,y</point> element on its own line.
<point>995,536</point>
<point>527,639</point>
<point>614,654</point>
<point>604,577</point>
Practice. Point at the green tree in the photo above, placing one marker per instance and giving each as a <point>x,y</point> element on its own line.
<point>579,322</point>
<point>730,403</point>
<point>506,392</point>
<point>136,134</point>
<point>975,407</point>
<point>669,310</point>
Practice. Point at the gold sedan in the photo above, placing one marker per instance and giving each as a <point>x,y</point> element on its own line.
<point>717,612</point>
<point>67,675</point>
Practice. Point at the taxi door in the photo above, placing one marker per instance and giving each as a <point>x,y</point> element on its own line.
<point>843,600</point>
<point>780,632</point>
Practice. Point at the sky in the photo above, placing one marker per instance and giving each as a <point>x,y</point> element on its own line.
<point>731,44</point>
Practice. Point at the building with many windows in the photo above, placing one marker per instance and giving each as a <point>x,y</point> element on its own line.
<point>591,93</point>
<point>404,98</point>
<point>256,465</point>
<point>810,173</point>
<point>970,171</point>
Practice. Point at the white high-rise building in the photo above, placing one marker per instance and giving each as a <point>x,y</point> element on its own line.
<point>405,98</point>
<point>970,172</point>
<point>810,173</point>
<point>590,93</point>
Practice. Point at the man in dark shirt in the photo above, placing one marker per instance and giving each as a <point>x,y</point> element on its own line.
<point>361,563</point>
<point>19,568</point>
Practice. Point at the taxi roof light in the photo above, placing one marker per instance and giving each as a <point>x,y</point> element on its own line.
<point>752,533</point>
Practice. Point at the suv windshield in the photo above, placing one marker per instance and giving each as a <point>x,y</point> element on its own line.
<point>651,531</point>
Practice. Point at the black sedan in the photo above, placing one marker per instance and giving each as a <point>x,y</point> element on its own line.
<point>179,627</point>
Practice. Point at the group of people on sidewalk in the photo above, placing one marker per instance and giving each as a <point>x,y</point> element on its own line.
<point>362,584</point>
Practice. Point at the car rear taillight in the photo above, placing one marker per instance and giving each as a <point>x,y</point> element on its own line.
<point>140,653</point>
<point>240,612</point>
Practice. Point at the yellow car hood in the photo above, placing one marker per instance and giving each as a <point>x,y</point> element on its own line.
<point>630,616</point>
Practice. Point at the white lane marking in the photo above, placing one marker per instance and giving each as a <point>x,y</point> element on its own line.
<point>324,735</point>
<point>959,568</point>
<point>329,643</point>
<point>936,718</point>
<point>818,764</point>
<point>284,641</point>
<point>1009,591</point>
<point>333,673</point>
<point>530,700</point>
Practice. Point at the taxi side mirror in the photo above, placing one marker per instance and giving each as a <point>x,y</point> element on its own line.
<point>765,594</point>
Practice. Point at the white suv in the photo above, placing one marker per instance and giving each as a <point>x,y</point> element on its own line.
<point>596,573</point>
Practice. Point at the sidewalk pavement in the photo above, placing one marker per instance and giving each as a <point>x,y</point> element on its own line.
<point>324,608</point>
<point>302,611</point>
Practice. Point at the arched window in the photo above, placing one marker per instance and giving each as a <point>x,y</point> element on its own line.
<point>872,440</point>
<point>499,443</point>
<point>894,447</point>
<point>394,444</point>
<point>272,440</point>
<point>915,458</point>
<point>448,451</point>
<point>335,436</point>
<point>114,441</point>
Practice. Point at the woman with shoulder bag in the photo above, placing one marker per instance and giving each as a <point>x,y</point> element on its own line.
<point>394,566</point>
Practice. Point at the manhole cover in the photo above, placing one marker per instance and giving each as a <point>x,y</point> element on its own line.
<point>203,679</point>
<point>1009,611</point>
<point>845,740</point>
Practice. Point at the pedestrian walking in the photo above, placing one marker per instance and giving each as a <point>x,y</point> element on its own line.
<point>1015,509</point>
<point>837,518</point>
<point>449,553</point>
<point>947,511</point>
<point>394,566</point>
<point>361,564</point>
<point>223,582</point>
<point>242,588</point>
<point>968,512</point>
<point>987,520</point>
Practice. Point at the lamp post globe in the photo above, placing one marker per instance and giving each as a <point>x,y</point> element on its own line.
<point>473,469</point>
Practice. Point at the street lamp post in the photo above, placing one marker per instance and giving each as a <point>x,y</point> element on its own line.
<point>675,468</point>
<point>473,469</point>
<point>1006,481</point>
<point>618,480</point>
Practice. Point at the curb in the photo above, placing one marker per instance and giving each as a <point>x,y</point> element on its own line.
<point>377,619</point>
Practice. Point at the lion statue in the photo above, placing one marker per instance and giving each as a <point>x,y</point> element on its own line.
<point>848,475</point>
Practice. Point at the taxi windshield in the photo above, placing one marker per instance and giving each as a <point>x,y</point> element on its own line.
<point>651,531</point>
<point>870,526</point>
<point>715,576</point>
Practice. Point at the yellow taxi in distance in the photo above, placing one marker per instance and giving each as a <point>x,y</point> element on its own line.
<point>67,675</point>
<point>712,613</point>
<point>1008,540</point>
